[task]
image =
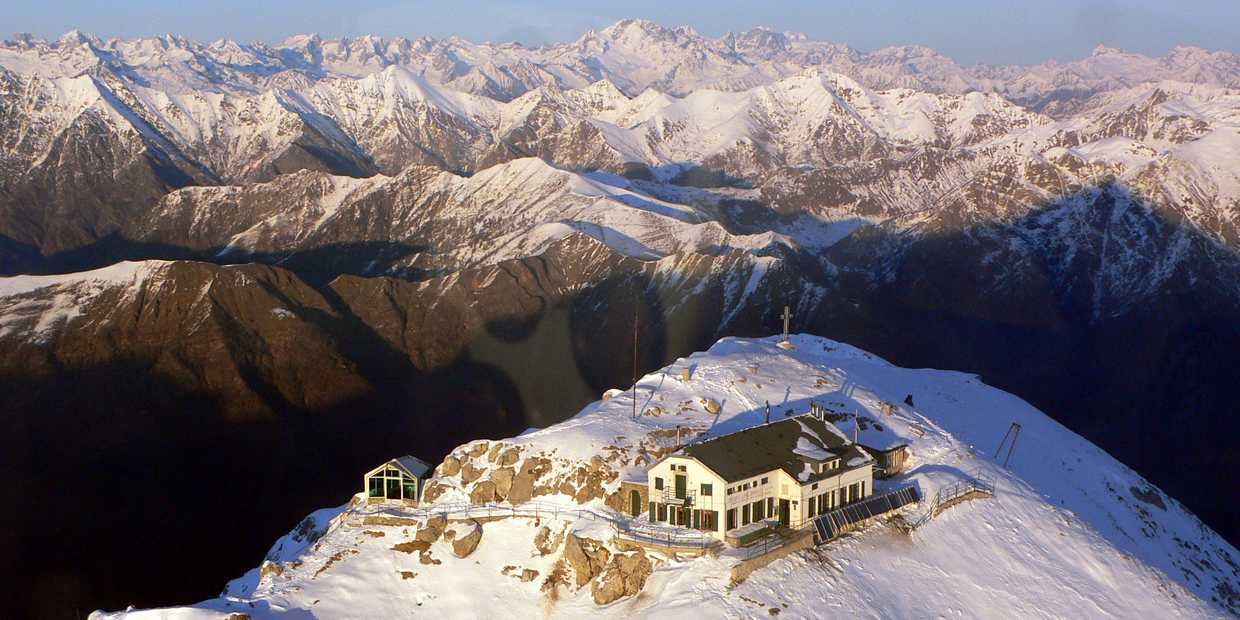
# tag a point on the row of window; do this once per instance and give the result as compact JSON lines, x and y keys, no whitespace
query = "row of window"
{"x":706,"y":489}
{"x":748,"y":485}
{"x":752,"y":513}
{"x":684,"y":517}
{"x":820,"y":504}
{"x":396,"y":487}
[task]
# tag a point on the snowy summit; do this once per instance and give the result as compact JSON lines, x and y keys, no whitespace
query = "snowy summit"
{"x":540,"y":525}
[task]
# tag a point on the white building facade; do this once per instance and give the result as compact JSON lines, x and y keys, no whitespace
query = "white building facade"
{"x":787,"y":472}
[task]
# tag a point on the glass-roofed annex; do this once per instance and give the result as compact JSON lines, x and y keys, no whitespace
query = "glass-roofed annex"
{"x":398,"y":480}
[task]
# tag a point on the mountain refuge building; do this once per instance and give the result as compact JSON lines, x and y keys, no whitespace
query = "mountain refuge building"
{"x":787,"y":471}
{"x":400,"y":481}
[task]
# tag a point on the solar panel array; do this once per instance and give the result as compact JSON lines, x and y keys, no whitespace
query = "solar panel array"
{"x":832,"y":524}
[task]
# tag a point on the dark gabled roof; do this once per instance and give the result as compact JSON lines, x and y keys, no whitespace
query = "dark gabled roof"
{"x":778,"y":445}
{"x":409,"y":465}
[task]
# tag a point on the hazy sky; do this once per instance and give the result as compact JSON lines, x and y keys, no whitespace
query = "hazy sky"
{"x":970,"y":31}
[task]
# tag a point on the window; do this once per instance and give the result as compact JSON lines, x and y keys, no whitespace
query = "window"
{"x":765,"y":479}
{"x":658,"y":483}
{"x":814,"y":486}
{"x":663,"y":512}
{"x":682,"y":468}
{"x":673,"y":467}
{"x":653,"y":512}
{"x":745,"y":487}
{"x":745,"y":514}
{"x":810,"y":507}
{"x":731,"y":516}
{"x":376,"y":487}
{"x":730,"y":490}
{"x":770,"y":507}
{"x":757,"y":511}
{"x":708,"y":489}
{"x":862,"y":490}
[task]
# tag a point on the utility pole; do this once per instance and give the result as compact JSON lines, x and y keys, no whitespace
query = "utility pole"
{"x":636,"y":304}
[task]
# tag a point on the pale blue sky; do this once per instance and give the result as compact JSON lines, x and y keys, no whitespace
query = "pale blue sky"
{"x":970,"y":31}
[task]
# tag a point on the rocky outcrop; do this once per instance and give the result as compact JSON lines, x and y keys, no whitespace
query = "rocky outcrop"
{"x":612,"y":575}
{"x":625,"y":575}
{"x":484,"y":492}
{"x":587,"y":557}
{"x":546,"y":542}
{"x":463,"y":545}
{"x":502,"y":472}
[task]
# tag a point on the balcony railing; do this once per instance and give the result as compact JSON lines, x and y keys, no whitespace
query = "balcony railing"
{"x":669,"y":498}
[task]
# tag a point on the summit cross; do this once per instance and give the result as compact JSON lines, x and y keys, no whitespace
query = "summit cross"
{"x":786,"y":317}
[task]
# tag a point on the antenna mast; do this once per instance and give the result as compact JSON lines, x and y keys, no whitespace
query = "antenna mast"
{"x":636,"y":303}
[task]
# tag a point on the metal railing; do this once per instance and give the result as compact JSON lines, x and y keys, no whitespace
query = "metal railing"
{"x":669,"y":498}
{"x":635,"y":529}
{"x":652,"y":532}
{"x":780,"y":536}
{"x":977,"y":481}
{"x":489,"y":510}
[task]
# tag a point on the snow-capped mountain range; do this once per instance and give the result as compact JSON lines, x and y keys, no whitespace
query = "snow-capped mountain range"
{"x":633,"y":54}
{"x":466,"y":213}
{"x":101,"y":130}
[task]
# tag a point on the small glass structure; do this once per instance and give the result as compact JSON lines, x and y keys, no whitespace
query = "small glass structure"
{"x":399,"y":480}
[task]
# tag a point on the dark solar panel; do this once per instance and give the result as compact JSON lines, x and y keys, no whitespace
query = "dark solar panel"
{"x":830,"y":524}
{"x":825,"y":532}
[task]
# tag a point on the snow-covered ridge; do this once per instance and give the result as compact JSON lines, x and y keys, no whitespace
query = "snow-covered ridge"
{"x":33,"y":306}
{"x":509,"y":211}
{"x":1070,"y":533}
{"x":633,"y":54}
